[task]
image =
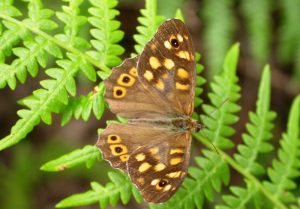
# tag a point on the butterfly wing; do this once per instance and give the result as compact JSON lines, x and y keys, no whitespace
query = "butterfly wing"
{"x":159,"y":169}
{"x":118,"y":141}
{"x":167,"y":66}
{"x":127,"y":97}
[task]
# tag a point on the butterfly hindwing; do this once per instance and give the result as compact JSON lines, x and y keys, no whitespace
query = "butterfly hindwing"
{"x":118,"y":141}
{"x":167,"y":66}
{"x":158,"y":169}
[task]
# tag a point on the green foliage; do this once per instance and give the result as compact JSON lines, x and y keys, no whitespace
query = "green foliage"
{"x":56,"y":90}
{"x":220,"y":113}
{"x":259,"y":129}
{"x":289,"y":47}
{"x":259,"y":27}
{"x":149,"y":24}
{"x":88,"y":155}
{"x":34,"y":42}
{"x":119,"y":188}
{"x":285,"y":169}
{"x":219,"y":25}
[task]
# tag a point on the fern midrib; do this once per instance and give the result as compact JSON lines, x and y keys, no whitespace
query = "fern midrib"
{"x":22,"y":62}
{"x":257,"y":143}
{"x":57,"y":42}
{"x":28,"y":122}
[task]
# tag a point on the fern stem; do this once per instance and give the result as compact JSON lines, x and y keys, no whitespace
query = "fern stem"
{"x":57,"y":42}
{"x":243,"y":172}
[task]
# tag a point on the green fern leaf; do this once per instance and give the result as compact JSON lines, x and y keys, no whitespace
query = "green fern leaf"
{"x":120,"y":187}
{"x":149,"y":24}
{"x":259,"y":27}
{"x":259,"y":130}
{"x":225,"y":92}
{"x":106,"y":32}
{"x":243,"y":198}
{"x":88,"y":155}
{"x":286,"y":168}
{"x":7,"y":8}
{"x":218,"y":32}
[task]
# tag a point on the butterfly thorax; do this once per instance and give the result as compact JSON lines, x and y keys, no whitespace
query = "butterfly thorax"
{"x":181,"y":124}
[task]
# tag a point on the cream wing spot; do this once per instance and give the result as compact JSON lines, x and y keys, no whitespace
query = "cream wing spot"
{"x":141,"y":180}
{"x":154,"y":63}
{"x":167,"y":188}
{"x":180,"y":86}
{"x":144,"y":167}
{"x":133,"y":72}
{"x":183,"y":55}
{"x":173,"y":175}
{"x":153,"y":150}
{"x":182,"y":73}
{"x":176,"y":160}
{"x":179,"y":37}
{"x":169,"y":64}
{"x":148,"y":75}
{"x":176,"y":151}
{"x":167,"y":45}
{"x":155,"y":181}
{"x":159,"y":167}
{"x":160,"y":85}
{"x":140,"y":157}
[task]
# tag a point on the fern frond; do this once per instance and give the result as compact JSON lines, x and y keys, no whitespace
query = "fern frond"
{"x":218,"y":32}
{"x":88,"y":155}
{"x":73,"y":20}
{"x":149,"y":24}
{"x":259,"y":129}
{"x":285,"y":169}
{"x":200,"y":183}
{"x":83,"y":106}
{"x":220,"y":115}
{"x":106,"y":32}
{"x":120,"y":187}
{"x":34,"y":54}
{"x":243,"y":198}
{"x":35,"y":50}
{"x":46,"y":100}
{"x":289,"y":32}
{"x":259,"y":28}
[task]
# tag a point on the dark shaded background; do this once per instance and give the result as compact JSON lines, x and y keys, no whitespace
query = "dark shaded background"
{"x":24,"y":186}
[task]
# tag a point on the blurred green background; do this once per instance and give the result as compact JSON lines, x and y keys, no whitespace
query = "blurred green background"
{"x":268,"y":32}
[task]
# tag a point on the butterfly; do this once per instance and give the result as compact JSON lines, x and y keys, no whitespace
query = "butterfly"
{"x":155,"y":92}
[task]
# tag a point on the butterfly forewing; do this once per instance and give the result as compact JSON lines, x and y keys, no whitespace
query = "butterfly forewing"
{"x":127,"y":97}
{"x":166,"y":66}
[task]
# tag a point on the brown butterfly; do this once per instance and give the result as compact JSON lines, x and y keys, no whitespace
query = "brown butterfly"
{"x":155,"y":91}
